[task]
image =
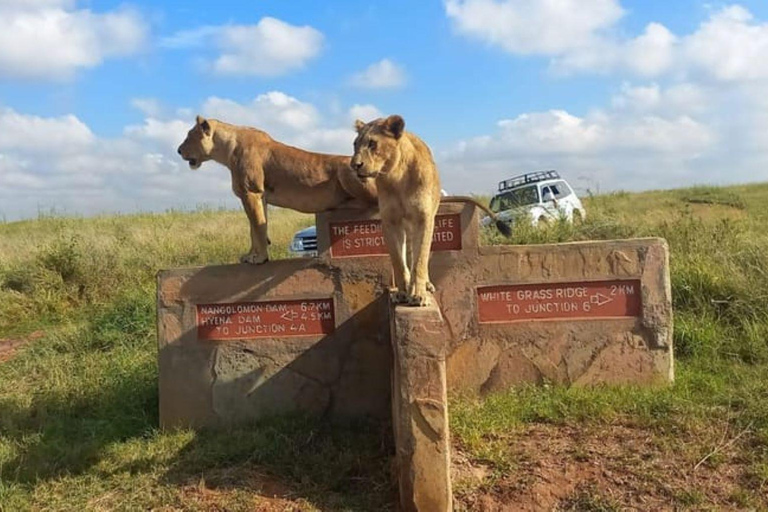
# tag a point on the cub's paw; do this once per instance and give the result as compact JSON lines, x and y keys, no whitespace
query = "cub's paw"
{"x":419,"y":301}
{"x":253,"y":259}
{"x":430,"y":287}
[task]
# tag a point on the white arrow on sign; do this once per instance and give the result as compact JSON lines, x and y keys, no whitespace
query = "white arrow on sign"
{"x":600,"y":300}
{"x":289,"y":316}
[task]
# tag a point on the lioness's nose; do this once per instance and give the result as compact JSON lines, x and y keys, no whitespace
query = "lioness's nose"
{"x":357,"y":165}
{"x":179,"y":150}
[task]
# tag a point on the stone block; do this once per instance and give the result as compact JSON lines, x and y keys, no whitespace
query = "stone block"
{"x":239,"y":342}
{"x":420,"y":408}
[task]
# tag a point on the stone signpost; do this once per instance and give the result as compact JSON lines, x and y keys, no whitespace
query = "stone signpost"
{"x":238,"y":342}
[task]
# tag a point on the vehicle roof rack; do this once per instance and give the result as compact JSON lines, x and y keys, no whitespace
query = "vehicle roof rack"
{"x":524,"y":179}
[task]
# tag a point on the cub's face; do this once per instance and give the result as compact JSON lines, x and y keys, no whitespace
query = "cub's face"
{"x":198,"y":145}
{"x":376,"y":146}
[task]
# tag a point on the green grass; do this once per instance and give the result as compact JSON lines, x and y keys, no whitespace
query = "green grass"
{"x":78,"y":407}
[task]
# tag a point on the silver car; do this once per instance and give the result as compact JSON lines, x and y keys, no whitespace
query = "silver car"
{"x":304,"y":244}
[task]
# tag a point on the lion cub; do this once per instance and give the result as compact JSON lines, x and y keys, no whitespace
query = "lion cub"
{"x":409,"y":196}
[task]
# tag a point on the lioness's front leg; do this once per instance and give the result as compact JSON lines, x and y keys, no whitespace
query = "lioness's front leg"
{"x":421,"y":237}
{"x":257,"y":217}
{"x":394,"y":237}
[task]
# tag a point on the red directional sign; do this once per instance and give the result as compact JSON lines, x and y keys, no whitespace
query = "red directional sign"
{"x":559,"y":301}
{"x":366,"y":238}
{"x":268,"y":319}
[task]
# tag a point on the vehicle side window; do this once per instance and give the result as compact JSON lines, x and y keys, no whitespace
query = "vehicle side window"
{"x":548,"y":193}
{"x":563,"y":190}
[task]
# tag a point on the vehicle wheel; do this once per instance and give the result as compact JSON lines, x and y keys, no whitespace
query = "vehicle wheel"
{"x":543,"y":222}
{"x":578,"y":218}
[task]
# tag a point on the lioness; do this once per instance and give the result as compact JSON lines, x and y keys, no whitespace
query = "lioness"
{"x":409,"y":195}
{"x":265,"y":171}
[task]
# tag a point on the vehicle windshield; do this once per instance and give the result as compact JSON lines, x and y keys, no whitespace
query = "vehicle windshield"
{"x":515,"y":198}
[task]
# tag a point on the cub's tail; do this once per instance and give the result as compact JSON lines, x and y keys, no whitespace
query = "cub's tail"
{"x":502,"y":226}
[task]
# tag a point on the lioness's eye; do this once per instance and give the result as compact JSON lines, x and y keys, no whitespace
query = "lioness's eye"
{"x":372,"y":145}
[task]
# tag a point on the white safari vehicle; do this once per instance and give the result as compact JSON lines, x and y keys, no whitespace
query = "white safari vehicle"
{"x":537,"y":197}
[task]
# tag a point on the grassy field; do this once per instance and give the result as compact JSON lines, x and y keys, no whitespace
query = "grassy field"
{"x":78,"y":398}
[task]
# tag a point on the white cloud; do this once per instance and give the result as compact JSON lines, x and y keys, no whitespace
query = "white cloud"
{"x":581,"y":36}
{"x":32,"y":133}
{"x":290,"y":120}
{"x":269,"y":48}
{"x":48,"y":39}
{"x":57,"y":162}
{"x":192,"y":38}
{"x":648,"y":137}
{"x":549,"y":27}
{"x":384,"y":74}
{"x":274,"y":112}
{"x":364,"y":112}
{"x":729,"y":47}
{"x":34,"y":4}
{"x":150,"y":107}
{"x":168,"y":133}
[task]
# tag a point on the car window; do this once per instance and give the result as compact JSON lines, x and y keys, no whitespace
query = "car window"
{"x":563,"y":190}
{"x":514,"y":198}
{"x":548,"y":193}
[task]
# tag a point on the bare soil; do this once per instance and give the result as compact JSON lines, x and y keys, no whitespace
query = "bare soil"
{"x":9,"y":346}
{"x":611,"y":467}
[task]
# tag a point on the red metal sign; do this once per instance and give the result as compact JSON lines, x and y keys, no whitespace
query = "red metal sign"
{"x":269,"y":319}
{"x":366,"y":238}
{"x":559,"y":301}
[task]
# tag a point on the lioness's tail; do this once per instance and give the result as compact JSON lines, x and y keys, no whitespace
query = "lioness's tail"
{"x":502,"y":226}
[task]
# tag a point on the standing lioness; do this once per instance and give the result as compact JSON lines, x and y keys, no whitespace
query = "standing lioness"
{"x":265,"y":171}
{"x":409,"y":195}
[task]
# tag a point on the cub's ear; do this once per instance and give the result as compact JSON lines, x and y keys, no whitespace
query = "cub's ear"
{"x":359,"y":125}
{"x":395,"y":125}
{"x":204,"y":125}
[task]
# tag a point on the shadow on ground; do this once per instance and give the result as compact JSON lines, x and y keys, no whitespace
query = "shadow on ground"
{"x":331,"y":464}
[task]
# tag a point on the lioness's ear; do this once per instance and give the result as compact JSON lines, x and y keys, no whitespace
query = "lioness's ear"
{"x":359,"y":125}
{"x":395,"y":125}
{"x":204,"y":125}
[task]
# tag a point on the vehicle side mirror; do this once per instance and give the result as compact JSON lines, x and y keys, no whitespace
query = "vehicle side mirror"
{"x":548,"y":197}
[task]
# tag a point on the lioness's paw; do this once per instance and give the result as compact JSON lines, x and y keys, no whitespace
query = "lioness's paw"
{"x":253,"y":259}
{"x":400,"y":298}
{"x":430,"y":287}
{"x":418,"y":301}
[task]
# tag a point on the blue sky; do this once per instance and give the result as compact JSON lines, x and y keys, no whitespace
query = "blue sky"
{"x":617,"y":94}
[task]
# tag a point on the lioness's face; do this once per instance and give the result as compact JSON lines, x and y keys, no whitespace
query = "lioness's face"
{"x":376,"y":146}
{"x":198,"y":145}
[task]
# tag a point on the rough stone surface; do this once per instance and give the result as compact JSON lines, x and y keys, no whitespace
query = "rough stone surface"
{"x":348,"y":372}
{"x":219,"y":382}
{"x":487,"y":357}
{"x":420,"y":408}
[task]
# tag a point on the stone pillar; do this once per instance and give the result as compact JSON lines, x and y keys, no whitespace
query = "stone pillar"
{"x":420,"y":408}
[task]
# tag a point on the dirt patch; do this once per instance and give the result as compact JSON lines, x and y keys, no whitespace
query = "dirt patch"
{"x":9,"y":346}
{"x":227,"y":490}
{"x":610,"y":467}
